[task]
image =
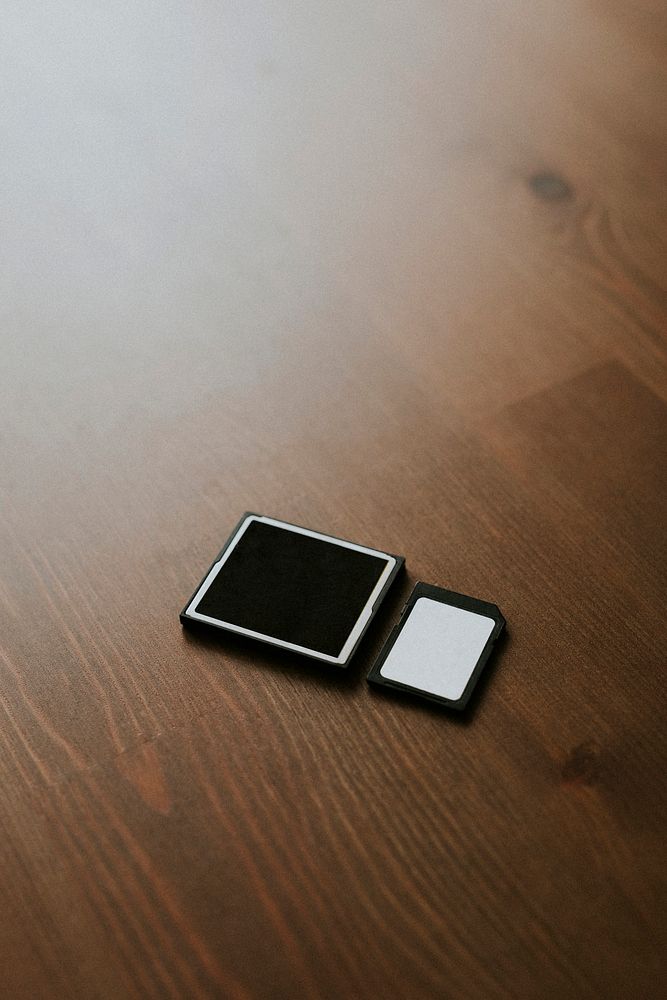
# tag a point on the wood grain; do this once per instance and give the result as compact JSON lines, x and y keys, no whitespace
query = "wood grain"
{"x":396,"y":272}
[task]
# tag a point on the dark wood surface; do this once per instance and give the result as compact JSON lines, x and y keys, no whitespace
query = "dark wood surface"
{"x":397,"y":272}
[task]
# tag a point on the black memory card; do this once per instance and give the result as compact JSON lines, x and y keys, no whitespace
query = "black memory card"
{"x":293,"y":587}
{"x":439,"y":646}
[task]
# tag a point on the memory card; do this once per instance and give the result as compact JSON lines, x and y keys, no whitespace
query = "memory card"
{"x":439,"y":647}
{"x":292,"y":587}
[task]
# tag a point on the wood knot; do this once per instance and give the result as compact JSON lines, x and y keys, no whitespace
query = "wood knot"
{"x":582,"y":764}
{"x":550,"y":187}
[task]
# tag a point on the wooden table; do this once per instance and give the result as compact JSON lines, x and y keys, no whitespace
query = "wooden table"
{"x":395,"y":271}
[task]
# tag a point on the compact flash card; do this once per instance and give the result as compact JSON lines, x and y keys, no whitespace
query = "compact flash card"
{"x":439,"y":646}
{"x":294,"y":588}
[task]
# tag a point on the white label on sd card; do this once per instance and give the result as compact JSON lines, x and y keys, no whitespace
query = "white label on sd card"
{"x":438,"y":648}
